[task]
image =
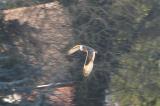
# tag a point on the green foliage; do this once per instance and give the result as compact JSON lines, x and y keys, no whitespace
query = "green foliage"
{"x":138,"y":72}
{"x":126,"y":34}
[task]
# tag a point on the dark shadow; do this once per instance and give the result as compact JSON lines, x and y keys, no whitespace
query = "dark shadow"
{"x":90,"y":91}
{"x":19,"y":53}
{"x":93,"y":25}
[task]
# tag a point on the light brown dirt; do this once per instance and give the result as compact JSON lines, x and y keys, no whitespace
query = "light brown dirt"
{"x":47,"y":31}
{"x":54,"y":33}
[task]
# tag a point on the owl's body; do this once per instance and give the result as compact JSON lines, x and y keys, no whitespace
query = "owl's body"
{"x":89,"y":61}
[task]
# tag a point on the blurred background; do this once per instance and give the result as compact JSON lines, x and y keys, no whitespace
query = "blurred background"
{"x":35,"y":36}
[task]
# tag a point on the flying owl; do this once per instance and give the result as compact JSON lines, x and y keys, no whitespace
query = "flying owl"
{"x":88,"y":65}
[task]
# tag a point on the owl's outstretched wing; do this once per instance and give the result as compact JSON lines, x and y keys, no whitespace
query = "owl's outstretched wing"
{"x":88,"y":65}
{"x":74,"y":49}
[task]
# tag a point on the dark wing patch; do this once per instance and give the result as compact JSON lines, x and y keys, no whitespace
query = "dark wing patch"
{"x":89,"y":57}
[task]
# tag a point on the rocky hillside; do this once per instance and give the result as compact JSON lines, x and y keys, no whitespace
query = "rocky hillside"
{"x":34,"y":44}
{"x":40,"y":35}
